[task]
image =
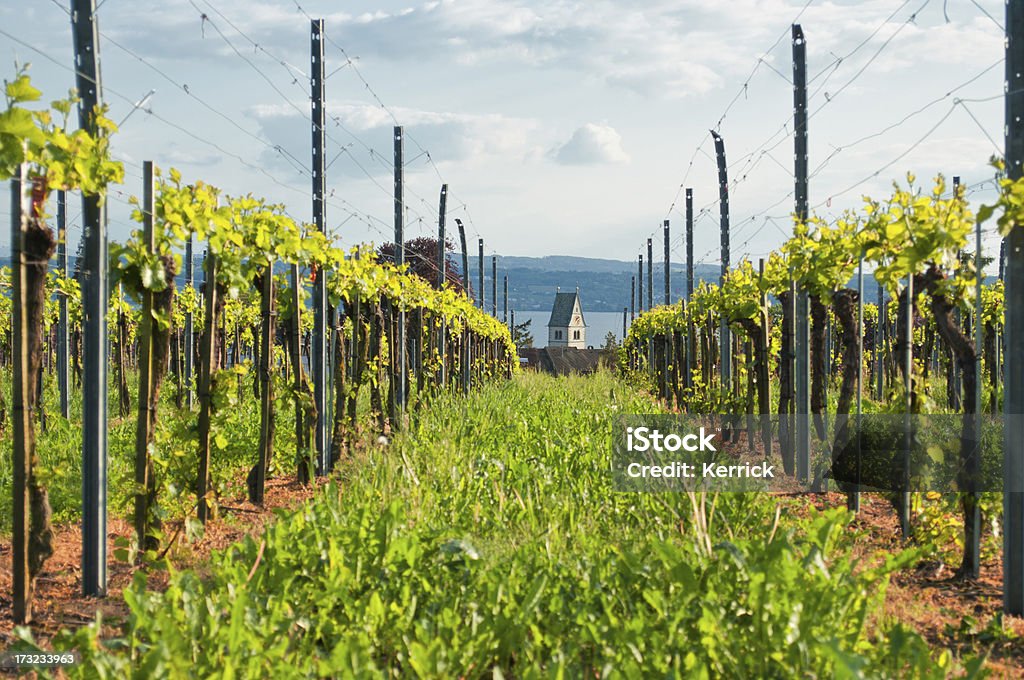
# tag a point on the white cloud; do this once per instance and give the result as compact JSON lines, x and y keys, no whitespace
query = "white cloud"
{"x":449,"y":136}
{"x":496,"y":90}
{"x":178,"y":156}
{"x":660,"y":49}
{"x":592,"y":144}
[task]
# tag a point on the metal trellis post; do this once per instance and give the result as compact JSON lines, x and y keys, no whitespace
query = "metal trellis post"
{"x":399,"y":391}
{"x":21,"y":413}
{"x":85,"y":34}
{"x":802,"y":341}
{"x":1013,"y":498}
{"x":668,"y":272}
{"x":640,"y":284}
{"x":480,"y":267}
{"x":63,"y":336}
{"x":723,"y":207}
{"x":690,"y":344}
{"x":442,"y":275}
{"x":632,"y":298}
{"x":319,"y":344}
{"x":650,"y":274}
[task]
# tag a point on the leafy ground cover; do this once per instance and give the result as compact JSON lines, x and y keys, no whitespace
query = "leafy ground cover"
{"x":488,"y":541}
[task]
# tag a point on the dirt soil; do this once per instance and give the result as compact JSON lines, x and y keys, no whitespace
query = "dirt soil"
{"x":949,"y":614}
{"x":59,"y":602}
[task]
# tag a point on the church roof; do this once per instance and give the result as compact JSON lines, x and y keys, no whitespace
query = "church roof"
{"x":562,"y":360}
{"x":561,"y":311}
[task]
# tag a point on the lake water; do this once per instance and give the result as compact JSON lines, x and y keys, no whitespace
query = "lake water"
{"x":598,"y":325}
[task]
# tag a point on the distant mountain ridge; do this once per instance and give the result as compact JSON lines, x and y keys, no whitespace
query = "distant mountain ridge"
{"x":566,"y":263}
{"x":604,"y":283}
{"x":533,"y":281}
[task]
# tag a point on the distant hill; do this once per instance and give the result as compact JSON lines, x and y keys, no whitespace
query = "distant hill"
{"x":533,"y":281}
{"x":567,"y":263}
{"x":604,"y":284}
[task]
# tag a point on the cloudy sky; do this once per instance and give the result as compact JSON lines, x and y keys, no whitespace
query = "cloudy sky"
{"x":561,"y":127}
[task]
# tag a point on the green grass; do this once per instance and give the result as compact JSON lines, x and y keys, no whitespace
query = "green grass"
{"x":488,"y":542}
{"x":234,"y":441}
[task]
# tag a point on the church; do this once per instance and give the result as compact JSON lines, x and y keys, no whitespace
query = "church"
{"x":567,"y":328}
{"x":566,"y":350}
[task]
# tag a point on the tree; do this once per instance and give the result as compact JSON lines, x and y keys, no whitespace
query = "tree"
{"x":521,"y":334}
{"x":421,"y":258}
{"x":610,"y":351}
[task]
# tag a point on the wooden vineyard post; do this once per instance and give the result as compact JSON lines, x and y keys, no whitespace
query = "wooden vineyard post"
{"x":21,"y":410}
{"x":879,"y":338}
{"x":373,"y":350}
{"x":972,"y":508}
{"x":640,"y":284}
{"x":356,"y":353}
{"x":340,"y":388}
{"x":650,"y":274}
{"x":854,"y":497}
{"x":678,"y":362}
{"x":764,"y":395}
{"x":206,"y":359}
{"x":294,"y":329}
{"x":786,"y":392}
{"x":394,"y":371}
{"x":40,"y":392}
{"x":691,"y":344}
{"x":144,"y":423}
{"x":465,"y":354}
{"x":63,"y":344}
{"x":748,"y":362}
{"x":190,"y":332}
{"x":417,"y":345}
{"x":222,"y":342}
{"x":266,"y":442}
{"x":903,"y":509}
{"x":826,"y":371}
{"x":335,"y":320}
{"x":123,"y":404}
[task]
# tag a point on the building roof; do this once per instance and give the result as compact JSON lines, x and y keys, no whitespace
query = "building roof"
{"x":561,"y":311}
{"x":561,"y":360}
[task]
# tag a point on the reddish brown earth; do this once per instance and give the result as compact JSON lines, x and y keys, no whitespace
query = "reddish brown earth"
{"x":929,"y":600}
{"x":59,"y":602}
{"x":924,"y":598}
